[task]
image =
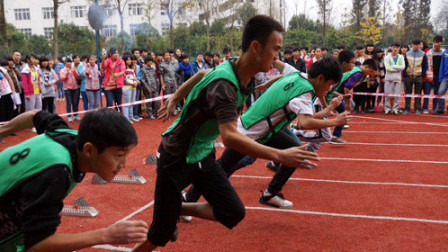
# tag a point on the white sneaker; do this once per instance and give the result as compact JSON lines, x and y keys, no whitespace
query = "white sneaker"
{"x":186,"y":219}
{"x":274,"y":200}
{"x":217,"y":144}
{"x":70,"y":119}
{"x":425,"y":112}
{"x":337,"y":140}
{"x":346,"y":126}
{"x":33,"y":130}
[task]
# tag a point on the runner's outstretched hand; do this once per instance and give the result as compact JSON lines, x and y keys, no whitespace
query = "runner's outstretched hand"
{"x":298,"y":157}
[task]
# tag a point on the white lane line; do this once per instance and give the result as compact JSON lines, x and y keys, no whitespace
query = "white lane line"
{"x":350,"y":215}
{"x":110,"y":247}
{"x":401,"y":121}
{"x":141,"y":209}
{"x":394,"y":132}
{"x":394,"y":144}
{"x":385,"y":160}
{"x":346,"y":182}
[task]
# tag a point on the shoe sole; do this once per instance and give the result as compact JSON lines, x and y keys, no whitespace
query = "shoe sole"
{"x":272,"y":205}
{"x":271,"y":170}
{"x":336,"y":143}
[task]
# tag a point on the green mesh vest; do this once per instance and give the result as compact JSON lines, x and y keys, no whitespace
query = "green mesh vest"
{"x":22,"y":161}
{"x":201,"y":143}
{"x":275,"y":98}
{"x":344,"y":79}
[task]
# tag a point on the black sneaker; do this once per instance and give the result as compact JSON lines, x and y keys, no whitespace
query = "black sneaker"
{"x":406,"y":111}
{"x":437,"y":112}
{"x":271,"y":166}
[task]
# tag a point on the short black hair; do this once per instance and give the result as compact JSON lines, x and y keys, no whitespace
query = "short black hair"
{"x":259,"y":28}
{"x":359,"y":47}
{"x":143,"y":50}
{"x":295,"y":49}
{"x":85,"y":57}
{"x":208,"y":54}
{"x":133,"y":57}
{"x":199,"y":53}
{"x":148,"y":59}
{"x":4,"y":62}
{"x":304,"y":48}
{"x":328,"y":67}
{"x":105,"y":128}
{"x":216,"y":54}
{"x":370,"y":44}
{"x":9,"y":58}
{"x":404,"y":46}
{"x":134,"y":49}
{"x":324,"y":48}
{"x":371,"y":63}
{"x":340,"y":46}
{"x":225,"y":50}
{"x":29,"y":56}
{"x":288,"y":51}
{"x":60,"y":59}
{"x":170,"y":50}
{"x":396,"y":44}
{"x":76,"y":56}
{"x":68,"y":60}
{"x":438,"y":38}
{"x":345,"y":56}
{"x":416,"y":42}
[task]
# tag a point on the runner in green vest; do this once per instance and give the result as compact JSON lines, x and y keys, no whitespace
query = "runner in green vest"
{"x":38,"y":173}
{"x":186,"y":155}
{"x":265,"y":121}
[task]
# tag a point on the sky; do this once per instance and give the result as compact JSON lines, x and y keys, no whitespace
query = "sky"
{"x":309,"y":7}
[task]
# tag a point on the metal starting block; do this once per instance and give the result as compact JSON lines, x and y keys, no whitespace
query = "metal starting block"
{"x":151,"y":159}
{"x":133,"y":177}
{"x":79,"y":208}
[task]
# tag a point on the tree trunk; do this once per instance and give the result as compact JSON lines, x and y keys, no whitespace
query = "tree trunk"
{"x":171,"y":35}
{"x":207,"y":22}
{"x":55,"y":28}
{"x":121,"y":31}
{"x":3,"y":25}
{"x":231,"y":37}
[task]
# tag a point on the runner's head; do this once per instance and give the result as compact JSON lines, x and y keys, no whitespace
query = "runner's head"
{"x":370,"y":68}
{"x":324,"y":73}
{"x":104,"y":139}
{"x":347,"y":60}
{"x":262,"y":39}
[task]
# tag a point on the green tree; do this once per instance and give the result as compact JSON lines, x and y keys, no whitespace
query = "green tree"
{"x":74,"y":39}
{"x":246,"y":12}
{"x":14,"y":39}
{"x":358,"y":14}
{"x":117,"y":42}
{"x":324,"y":10}
{"x":39,"y":45}
{"x":217,"y":27}
{"x":3,"y":33}
{"x":301,"y":21}
{"x":302,"y":37}
{"x":198,"y":28}
{"x":342,"y":35}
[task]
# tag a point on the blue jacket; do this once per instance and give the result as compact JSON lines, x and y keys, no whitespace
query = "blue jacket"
{"x":196,"y":66}
{"x":443,"y":72}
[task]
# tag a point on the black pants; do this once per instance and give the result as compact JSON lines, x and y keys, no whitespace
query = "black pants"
{"x":230,"y":159}
{"x":360,"y":100}
{"x":48,"y":104}
{"x":6,"y":108}
{"x":173,"y":175}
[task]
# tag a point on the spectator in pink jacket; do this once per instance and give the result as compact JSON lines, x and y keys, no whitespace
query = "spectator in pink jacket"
{"x":31,"y":84}
{"x":90,"y":71}
{"x":70,"y":76}
{"x":113,"y":78}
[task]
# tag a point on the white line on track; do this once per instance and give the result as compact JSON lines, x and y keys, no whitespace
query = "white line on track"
{"x":114,"y":248}
{"x":351,"y":215}
{"x":401,"y":121}
{"x":347,"y":182}
{"x":394,"y":132}
{"x":394,"y":144}
{"x":385,"y":160}
{"x":141,"y":209}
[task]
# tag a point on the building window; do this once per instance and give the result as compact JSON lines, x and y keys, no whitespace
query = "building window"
{"x":165,"y":28}
{"x":135,"y":9}
{"x":133,"y":28}
{"x":22,"y":14}
{"x":109,"y":11}
{"x":48,"y":12}
{"x":110,"y":30}
{"x":78,"y":11}
{"x":26,"y":31}
{"x":48,"y":31}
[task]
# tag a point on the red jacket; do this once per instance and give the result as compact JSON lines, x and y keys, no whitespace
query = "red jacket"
{"x":119,"y":67}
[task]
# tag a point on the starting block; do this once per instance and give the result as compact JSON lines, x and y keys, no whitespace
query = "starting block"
{"x":133,"y":177}
{"x":151,"y":159}
{"x":79,"y":208}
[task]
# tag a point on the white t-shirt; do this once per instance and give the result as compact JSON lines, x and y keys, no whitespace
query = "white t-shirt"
{"x":5,"y":88}
{"x":301,"y":104}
